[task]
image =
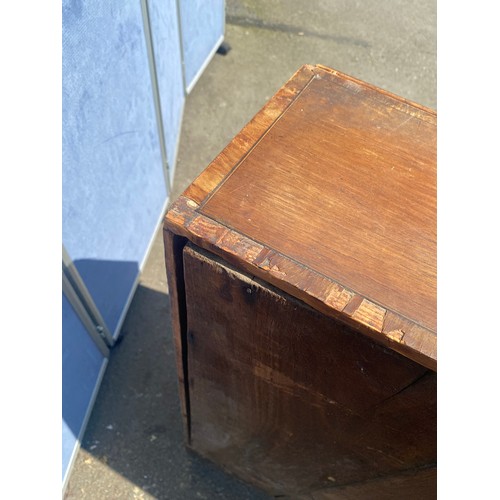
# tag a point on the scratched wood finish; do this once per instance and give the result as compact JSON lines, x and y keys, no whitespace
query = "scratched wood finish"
{"x":290,"y":399}
{"x":173,"y":246}
{"x":328,"y":193}
{"x":248,"y":136}
{"x":306,"y":339}
{"x":419,"y":484}
{"x":345,"y":184}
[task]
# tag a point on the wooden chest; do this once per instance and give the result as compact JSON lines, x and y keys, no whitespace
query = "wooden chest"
{"x":302,"y":276}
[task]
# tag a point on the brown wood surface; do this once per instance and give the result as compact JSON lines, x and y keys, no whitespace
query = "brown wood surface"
{"x":290,"y":399}
{"x":344,"y":182}
{"x":329,"y":194}
{"x":173,"y":246}
{"x":210,"y":178}
{"x":420,"y":484}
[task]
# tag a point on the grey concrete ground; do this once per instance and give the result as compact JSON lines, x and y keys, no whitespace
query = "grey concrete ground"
{"x":133,"y":447}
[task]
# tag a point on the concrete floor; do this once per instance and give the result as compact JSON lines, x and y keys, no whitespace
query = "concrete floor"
{"x":133,"y":447}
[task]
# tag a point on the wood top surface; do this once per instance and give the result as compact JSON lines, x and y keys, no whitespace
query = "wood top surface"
{"x":330,"y":194}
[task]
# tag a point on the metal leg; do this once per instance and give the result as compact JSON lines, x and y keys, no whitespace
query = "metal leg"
{"x":223,"y":49}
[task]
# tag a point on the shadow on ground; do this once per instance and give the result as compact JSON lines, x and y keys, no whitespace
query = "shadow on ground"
{"x":136,"y":428}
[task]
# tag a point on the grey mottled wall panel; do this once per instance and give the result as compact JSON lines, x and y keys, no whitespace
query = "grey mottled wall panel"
{"x":202,"y":27}
{"x":113,"y":183}
{"x":167,"y":51}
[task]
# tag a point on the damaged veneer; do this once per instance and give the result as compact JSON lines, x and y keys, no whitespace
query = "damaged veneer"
{"x":306,"y":332}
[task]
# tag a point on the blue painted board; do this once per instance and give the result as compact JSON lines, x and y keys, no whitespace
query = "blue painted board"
{"x":81,"y":365}
{"x":202,"y":23}
{"x":113,"y":183}
{"x":167,"y":52}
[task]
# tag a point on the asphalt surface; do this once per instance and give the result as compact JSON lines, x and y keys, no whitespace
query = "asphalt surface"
{"x":133,"y":447}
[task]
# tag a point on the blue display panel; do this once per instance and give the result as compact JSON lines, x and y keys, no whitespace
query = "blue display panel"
{"x":202,"y":23}
{"x":113,"y":183}
{"x":82,"y":364}
{"x":167,"y":51}
{"x":114,"y":190}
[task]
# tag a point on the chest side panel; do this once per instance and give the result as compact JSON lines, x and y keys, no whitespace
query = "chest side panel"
{"x":291,"y":400}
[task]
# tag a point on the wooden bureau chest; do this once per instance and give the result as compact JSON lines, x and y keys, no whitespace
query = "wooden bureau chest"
{"x":302,"y":275}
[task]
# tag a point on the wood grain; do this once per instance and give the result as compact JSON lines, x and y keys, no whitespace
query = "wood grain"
{"x":329,"y":194}
{"x":173,"y":246}
{"x":316,"y":290}
{"x":290,"y":399}
{"x":243,"y":142}
{"x":417,"y":484}
{"x":344,"y":182}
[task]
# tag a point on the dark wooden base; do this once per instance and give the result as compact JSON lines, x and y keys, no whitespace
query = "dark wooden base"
{"x":417,"y":484}
{"x":293,"y":401}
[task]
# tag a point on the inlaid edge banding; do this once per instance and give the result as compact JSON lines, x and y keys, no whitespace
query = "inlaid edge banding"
{"x":320,"y":292}
{"x":251,"y":134}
